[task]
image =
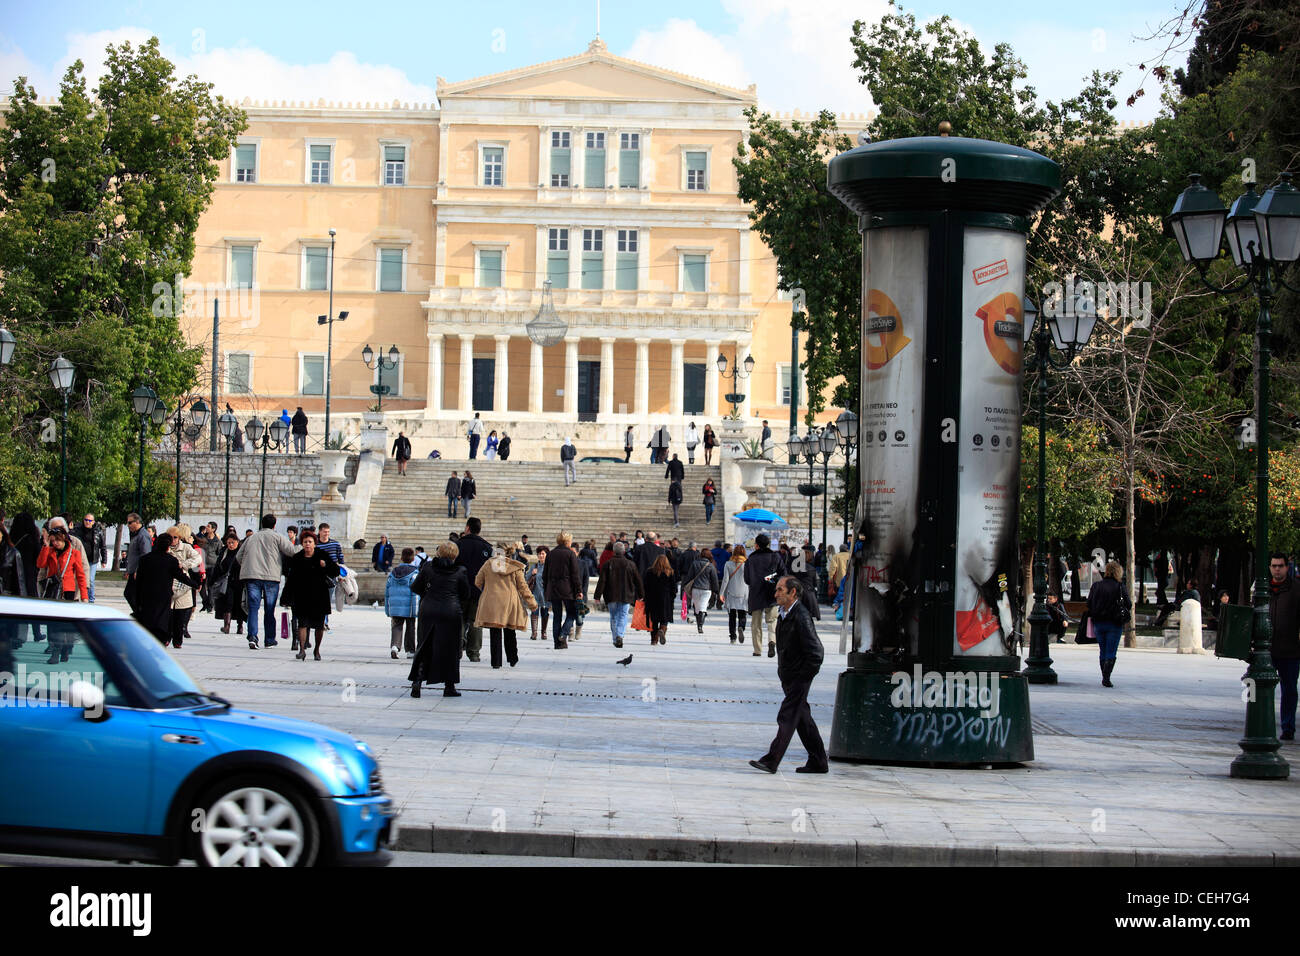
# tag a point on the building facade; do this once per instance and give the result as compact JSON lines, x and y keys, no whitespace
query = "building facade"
{"x":610,"y":179}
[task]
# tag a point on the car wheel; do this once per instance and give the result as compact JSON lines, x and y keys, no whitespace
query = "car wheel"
{"x":254,"y":820}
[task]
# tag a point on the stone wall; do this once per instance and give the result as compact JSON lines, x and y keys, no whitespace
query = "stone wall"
{"x":293,"y":484}
{"x":781,"y":495}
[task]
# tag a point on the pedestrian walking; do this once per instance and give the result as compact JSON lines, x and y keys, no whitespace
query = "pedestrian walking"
{"x":675,"y":470}
{"x":307,"y":591}
{"x":701,"y":584}
{"x":26,"y":538}
{"x":91,"y":536}
{"x":735,"y":595}
{"x":152,"y":589}
{"x":628,"y":438}
{"x":64,"y":567}
{"x":190,"y":560}
{"x":402,"y":605}
{"x":452,"y":491}
{"x":1284,"y":614}
{"x":260,"y":564}
{"x":503,"y":451}
{"x":468,"y":491}
{"x":692,"y":439}
{"x":490,"y":449}
{"x":443,"y":589}
{"x":141,"y":542}
{"x":765,"y":440}
{"x":211,"y":547}
{"x":473,"y":552}
{"x":567,"y":455}
{"x":475,"y":435}
{"x":225,"y":587}
{"x":381,"y":555}
{"x":563,"y":588}
{"x":333,"y":550}
{"x":536,"y":581}
{"x":504,"y":596}
{"x":298,"y":428}
{"x":1109,"y":609}
{"x":659,"y":445}
{"x":762,"y":569}
{"x":619,"y":585}
{"x":13,"y":582}
{"x":288,"y":428}
{"x":402,"y":452}
{"x":710,"y":493}
{"x":710,"y":443}
{"x":799,"y":658}
{"x":675,"y":499}
{"x":660,"y":592}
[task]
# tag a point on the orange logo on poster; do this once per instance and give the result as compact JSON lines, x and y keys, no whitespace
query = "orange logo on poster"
{"x":884,"y":336}
{"x":1003,"y":320}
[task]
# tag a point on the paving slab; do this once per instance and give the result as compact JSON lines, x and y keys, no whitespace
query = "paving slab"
{"x":571,"y":754}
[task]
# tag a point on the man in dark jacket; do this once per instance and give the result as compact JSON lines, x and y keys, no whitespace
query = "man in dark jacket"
{"x":474,"y":551}
{"x":1284,"y":615}
{"x":298,"y":428}
{"x":563,"y":588}
{"x":503,"y":450}
{"x":799,"y":658}
{"x":762,"y":569}
{"x":619,"y":585}
{"x":721,"y":555}
{"x":647,"y":554}
{"x":567,"y":455}
{"x":381,"y":558}
{"x":91,"y":536}
{"x":468,"y":491}
{"x":676,"y":470}
{"x":452,"y":491}
{"x":402,"y":452}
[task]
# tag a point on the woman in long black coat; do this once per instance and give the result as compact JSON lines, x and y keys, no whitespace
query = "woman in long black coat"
{"x":443,"y":589}
{"x":26,"y":537}
{"x":307,"y":591}
{"x":228,"y":605}
{"x":660,"y":592}
{"x":152,"y":592}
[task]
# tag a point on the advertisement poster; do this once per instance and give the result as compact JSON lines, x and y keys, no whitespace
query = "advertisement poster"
{"x":893,"y":366}
{"x":988,"y":481}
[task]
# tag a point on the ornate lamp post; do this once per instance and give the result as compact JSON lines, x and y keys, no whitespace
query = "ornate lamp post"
{"x":827,"y":442}
{"x":62,"y":372}
{"x":228,"y":426}
{"x":804,"y":447}
{"x":737,"y":376}
{"x":1069,"y":328}
{"x":143,"y":402}
{"x":383,"y":365}
{"x":847,"y":426}
{"x":188,"y":421}
{"x":273,"y":437}
{"x":1263,"y":239}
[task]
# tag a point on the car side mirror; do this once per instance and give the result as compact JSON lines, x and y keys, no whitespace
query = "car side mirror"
{"x":89,"y":698}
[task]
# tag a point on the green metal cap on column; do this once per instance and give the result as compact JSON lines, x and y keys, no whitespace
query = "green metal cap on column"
{"x":926,"y":173}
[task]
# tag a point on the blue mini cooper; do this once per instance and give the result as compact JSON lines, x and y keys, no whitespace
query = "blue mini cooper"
{"x":108,"y":749}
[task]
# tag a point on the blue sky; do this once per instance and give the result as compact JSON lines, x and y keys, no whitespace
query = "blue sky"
{"x":797,"y":52}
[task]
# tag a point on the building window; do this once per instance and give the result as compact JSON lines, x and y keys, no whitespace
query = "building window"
{"x":557,"y":258}
{"x":695,"y":272}
{"x":311,"y":373}
{"x":594,"y":160}
{"x":246,"y":163}
{"x":489,"y":268}
{"x":315,"y":267}
{"x":239,"y":373}
{"x":390,"y":270}
{"x":625,"y":270}
{"x":560,"y":162}
{"x":494,"y":163}
{"x":321,"y":157}
{"x":241,"y":267}
{"x":394,"y":165}
{"x":593,"y":258}
{"x":629,"y":160}
{"x":697,"y":171}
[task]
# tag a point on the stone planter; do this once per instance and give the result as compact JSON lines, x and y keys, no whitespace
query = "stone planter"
{"x":373,"y":420}
{"x":752,"y":472}
{"x":333,"y":466}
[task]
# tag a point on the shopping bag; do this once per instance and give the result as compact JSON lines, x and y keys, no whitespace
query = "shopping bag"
{"x":639,"y":622}
{"x":686,"y":600}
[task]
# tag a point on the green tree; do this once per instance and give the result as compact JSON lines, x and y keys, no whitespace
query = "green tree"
{"x":100,"y":197}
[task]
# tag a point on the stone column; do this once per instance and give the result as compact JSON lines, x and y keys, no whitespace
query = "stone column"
{"x":535,"y":379}
{"x":433,"y":384}
{"x":501,"y":375}
{"x":571,"y":378}
{"x":675,"y":373}
{"x":642,"y":407}
{"x":606,"y":377}
{"x":466,"y":398}
{"x":711,"y":378}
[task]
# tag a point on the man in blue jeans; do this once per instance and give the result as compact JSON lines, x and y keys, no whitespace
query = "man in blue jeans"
{"x":1284,"y":615}
{"x":259,"y":560}
{"x":619,"y":585}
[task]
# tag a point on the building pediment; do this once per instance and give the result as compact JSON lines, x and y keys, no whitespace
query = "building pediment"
{"x":595,"y":75}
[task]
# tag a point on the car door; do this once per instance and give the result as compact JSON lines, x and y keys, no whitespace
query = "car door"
{"x":60,"y":769}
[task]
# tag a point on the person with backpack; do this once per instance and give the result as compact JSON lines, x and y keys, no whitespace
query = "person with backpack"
{"x":401,"y":605}
{"x":1110,"y":609}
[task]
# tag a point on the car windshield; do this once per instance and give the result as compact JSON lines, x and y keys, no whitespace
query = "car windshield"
{"x":144,"y":659}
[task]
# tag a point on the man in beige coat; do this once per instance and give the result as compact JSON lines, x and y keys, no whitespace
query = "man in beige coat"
{"x":501,"y":581}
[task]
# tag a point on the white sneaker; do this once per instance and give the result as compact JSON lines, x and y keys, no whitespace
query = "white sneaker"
{"x":393,"y":652}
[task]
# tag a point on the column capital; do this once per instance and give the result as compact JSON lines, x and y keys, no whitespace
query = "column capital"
{"x":713,"y":343}
{"x":607,"y":340}
{"x":502,"y":336}
{"x":434,"y":336}
{"x":677,"y":343}
{"x":572,"y":340}
{"x":642,"y":341}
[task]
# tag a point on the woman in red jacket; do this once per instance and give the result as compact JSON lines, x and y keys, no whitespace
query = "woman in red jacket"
{"x":63,"y":564}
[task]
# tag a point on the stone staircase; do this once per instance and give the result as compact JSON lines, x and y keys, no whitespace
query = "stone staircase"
{"x":527,"y":497}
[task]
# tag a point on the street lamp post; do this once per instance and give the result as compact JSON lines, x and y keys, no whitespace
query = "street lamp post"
{"x":1069,"y":327}
{"x":228,"y":426}
{"x":847,"y":423}
{"x":737,"y":376}
{"x":272,"y":437}
{"x":143,"y":402}
{"x":1263,"y":239}
{"x":186,"y":422}
{"x":827,"y":442}
{"x":382,"y":365}
{"x":801,"y":446}
{"x":62,"y":372}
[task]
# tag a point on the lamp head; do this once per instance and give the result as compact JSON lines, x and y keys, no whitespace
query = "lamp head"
{"x":1197,"y":222}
